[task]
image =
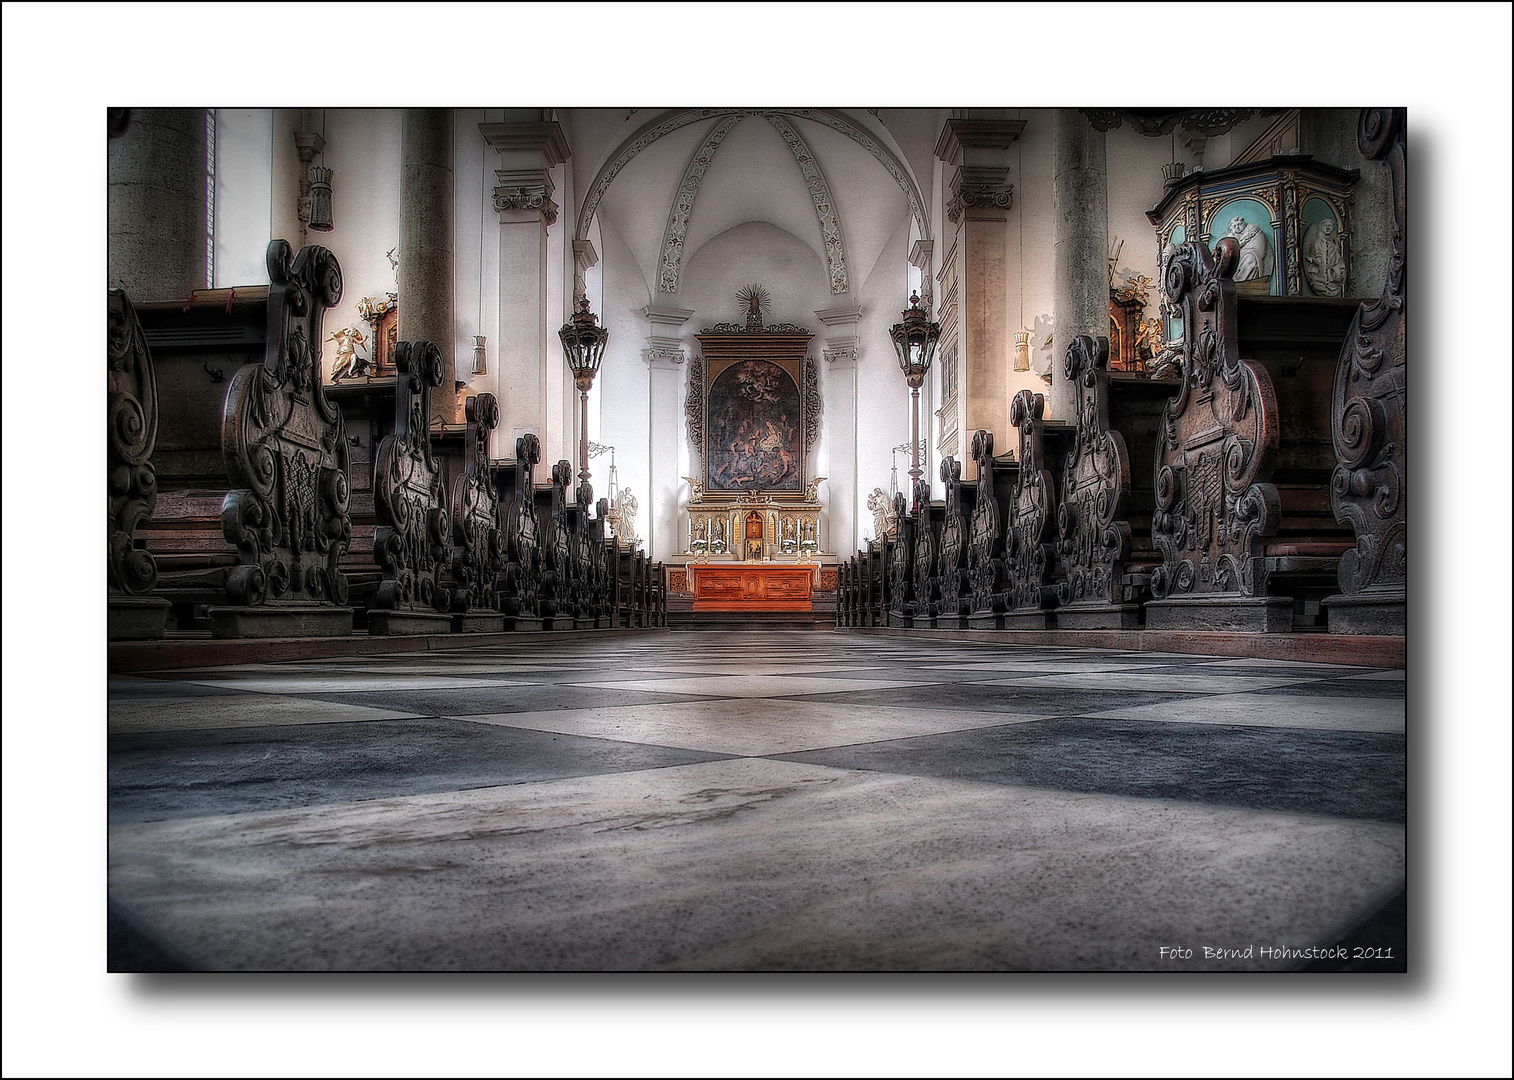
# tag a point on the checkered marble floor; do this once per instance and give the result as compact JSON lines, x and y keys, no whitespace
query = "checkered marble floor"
{"x":738,"y":801}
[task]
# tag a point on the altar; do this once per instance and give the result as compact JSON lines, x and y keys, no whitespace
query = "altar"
{"x":752,"y":587}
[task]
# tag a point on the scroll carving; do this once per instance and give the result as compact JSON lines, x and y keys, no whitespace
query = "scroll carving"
{"x":478,"y":551}
{"x":813,"y":406}
{"x":925,"y":581}
{"x":901,"y":552}
{"x":951,"y":570}
{"x":522,"y":537}
{"x":1370,"y":483}
{"x":1216,"y":443}
{"x":985,"y":546}
{"x":694,"y":404}
{"x":413,"y":533}
{"x":131,"y":434}
{"x":1094,"y":535}
{"x":557,"y":571}
{"x":1028,"y":548}
{"x":286,"y":448}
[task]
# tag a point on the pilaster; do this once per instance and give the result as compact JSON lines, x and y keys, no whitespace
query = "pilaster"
{"x":979,"y":196}
{"x":841,"y":350}
{"x":528,"y":151}
{"x":666,"y":370}
{"x":156,"y":205}
{"x":425,"y":272}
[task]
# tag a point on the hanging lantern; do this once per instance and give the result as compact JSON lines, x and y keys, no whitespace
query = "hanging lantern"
{"x":915,"y":342}
{"x":480,"y":365}
{"x":320,"y":199}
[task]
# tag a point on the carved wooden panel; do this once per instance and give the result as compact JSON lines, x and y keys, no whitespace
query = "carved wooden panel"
{"x":413,"y":534}
{"x":985,"y":546}
{"x":1094,"y":535}
{"x":1370,"y":485}
{"x":557,"y":564}
{"x":925,"y":584}
{"x":286,"y":448}
{"x":901,"y":568}
{"x":1028,"y":550}
{"x":478,"y":539}
{"x":830,"y":578}
{"x":131,"y":432}
{"x":951,"y":568}
{"x":522,"y":592}
{"x":1216,"y":443}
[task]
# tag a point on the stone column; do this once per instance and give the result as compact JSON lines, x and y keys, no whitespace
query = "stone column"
{"x":842,"y":347}
{"x":156,"y":205}
{"x":666,"y":428}
{"x":425,"y":274}
{"x":978,"y":200}
{"x":1080,"y":246}
{"x":528,"y":150}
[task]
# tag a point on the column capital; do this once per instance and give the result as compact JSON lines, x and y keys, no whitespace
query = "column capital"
{"x":842,"y":352}
{"x":921,"y":254}
{"x":980,"y":193}
{"x":663,"y":353}
{"x":584,"y":255}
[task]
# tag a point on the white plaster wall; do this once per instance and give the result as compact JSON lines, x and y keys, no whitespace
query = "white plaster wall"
{"x":622,"y":387}
{"x":363,"y":152}
{"x":243,"y":196}
{"x":1135,"y":186}
{"x":883,"y":404}
{"x":475,"y":260}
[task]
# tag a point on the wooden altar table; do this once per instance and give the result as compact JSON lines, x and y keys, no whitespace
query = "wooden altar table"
{"x":752,"y":587}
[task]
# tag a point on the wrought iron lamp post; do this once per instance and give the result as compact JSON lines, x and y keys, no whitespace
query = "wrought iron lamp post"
{"x":583,"y":346}
{"x":915,"y":342}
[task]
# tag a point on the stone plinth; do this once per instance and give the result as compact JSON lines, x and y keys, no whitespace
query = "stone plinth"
{"x":1251,"y":615}
{"x":136,"y":618}
{"x":280,"y":622}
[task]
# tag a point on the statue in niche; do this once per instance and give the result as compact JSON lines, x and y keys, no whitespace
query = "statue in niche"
{"x":1325,"y":258}
{"x":1256,"y":254}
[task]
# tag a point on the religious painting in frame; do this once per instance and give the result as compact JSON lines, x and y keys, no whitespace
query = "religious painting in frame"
{"x":754,"y":432}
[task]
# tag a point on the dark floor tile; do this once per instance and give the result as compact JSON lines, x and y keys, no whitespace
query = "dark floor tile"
{"x":1348,"y":688}
{"x":1332,"y":773}
{"x":536,"y":697}
{"x":188,"y":774}
{"x":1040,"y":700}
{"x":132,"y":689}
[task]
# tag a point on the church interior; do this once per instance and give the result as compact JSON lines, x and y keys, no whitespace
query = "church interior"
{"x":760,"y":539}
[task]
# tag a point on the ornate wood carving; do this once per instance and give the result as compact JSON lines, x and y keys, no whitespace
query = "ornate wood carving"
{"x":286,"y":448}
{"x":131,"y":432}
{"x":522,"y":595}
{"x":951,"y":568}
{"x":557,"y":565}
{"x":1215,"y":445}
{"x":413,"y":533}
{"x":901,"y":568}
{"x":926,"y":590}
{"x":985,"y":546}
{"x":1028,"y":548}
{"x":763,"y":587}
{"x":478,"y":551}
{"x":1370,"y":484}
{"x":693,"y":406}
{"x":1094,"y":533}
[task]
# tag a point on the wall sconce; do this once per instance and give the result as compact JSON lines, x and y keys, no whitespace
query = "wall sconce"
{"x":320,"y":198}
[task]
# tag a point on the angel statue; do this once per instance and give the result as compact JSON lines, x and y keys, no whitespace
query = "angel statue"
{"x":883,"y":513}
{"x":348,"y":364}
{"x":623,"y":517}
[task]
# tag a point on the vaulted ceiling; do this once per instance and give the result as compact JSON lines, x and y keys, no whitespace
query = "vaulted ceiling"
{"x":670,"y":181}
